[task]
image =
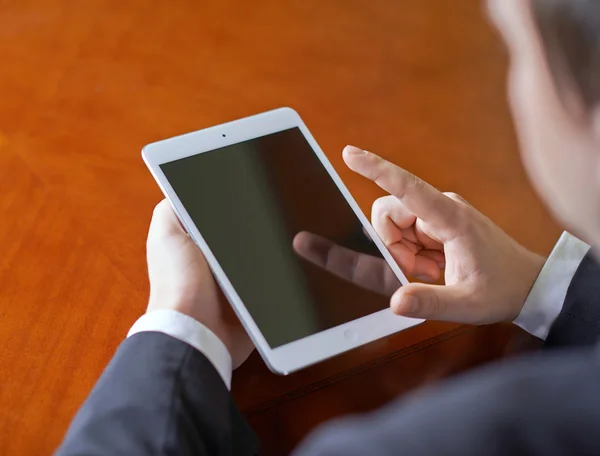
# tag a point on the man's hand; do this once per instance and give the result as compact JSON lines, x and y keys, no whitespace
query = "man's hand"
{"x":488,"y":275}
{"x":180,"y":279}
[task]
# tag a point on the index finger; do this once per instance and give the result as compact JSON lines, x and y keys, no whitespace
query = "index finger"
{"x":420,"y":198}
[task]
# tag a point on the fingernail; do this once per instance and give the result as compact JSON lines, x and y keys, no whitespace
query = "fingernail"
{"x":352,"y":150}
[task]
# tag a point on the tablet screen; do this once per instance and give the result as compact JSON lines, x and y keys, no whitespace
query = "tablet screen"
{"x":284,"y":235}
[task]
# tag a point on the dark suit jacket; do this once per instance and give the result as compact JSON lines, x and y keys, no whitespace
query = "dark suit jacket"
{"x":161,"y":396}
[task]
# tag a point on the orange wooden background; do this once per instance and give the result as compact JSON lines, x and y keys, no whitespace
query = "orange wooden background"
{"x":85,"y":84}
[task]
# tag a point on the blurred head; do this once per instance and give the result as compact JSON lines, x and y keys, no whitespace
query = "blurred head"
{"x":554,"y":92}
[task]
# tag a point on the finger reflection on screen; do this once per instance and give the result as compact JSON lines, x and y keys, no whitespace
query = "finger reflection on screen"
{"x":362,"y":269}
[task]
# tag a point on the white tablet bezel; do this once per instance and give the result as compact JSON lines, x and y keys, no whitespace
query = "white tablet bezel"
{"x":311,"y":349}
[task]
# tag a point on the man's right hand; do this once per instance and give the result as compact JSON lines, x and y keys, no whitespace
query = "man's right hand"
{"x":488,"y":275}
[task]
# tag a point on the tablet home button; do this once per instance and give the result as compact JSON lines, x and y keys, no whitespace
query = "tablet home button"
{"x":351,"y":335}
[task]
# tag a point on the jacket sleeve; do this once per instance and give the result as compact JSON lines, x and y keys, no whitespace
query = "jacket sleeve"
{"x":579,"y":320}
{"x":547,"y":404}
{"x":159,"y":395}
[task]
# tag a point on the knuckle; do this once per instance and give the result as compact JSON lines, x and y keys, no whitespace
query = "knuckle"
{"x":456,"y":197}
{"x":462,"y":215}
{"x":378,"y":206}
{"x":401,"y":180}
{"x":381,"y":208}
{"x":413,"y":181}
{"x":381,"y":174}
{"x":414,"y":185}
{"x":453,"y":195}
{"x":463,"y":222}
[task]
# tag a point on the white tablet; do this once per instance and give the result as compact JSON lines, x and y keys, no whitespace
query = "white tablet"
{"x":299,"y":262}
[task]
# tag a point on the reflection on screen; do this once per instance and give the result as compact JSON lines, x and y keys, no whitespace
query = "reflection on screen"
{"x":283,"y":233}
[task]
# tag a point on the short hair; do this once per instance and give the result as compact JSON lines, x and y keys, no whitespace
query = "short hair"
{"x":570,"y":33}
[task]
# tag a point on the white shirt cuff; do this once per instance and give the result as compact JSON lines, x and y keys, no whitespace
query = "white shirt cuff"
{"x":546,"y":298}
{"x":190,"y":331}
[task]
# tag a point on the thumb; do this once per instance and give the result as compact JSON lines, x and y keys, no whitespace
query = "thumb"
{"x":164,"y":221}
{"x":434,"y":302}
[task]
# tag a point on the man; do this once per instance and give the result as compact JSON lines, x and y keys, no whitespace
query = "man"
{"x":166,"y":390}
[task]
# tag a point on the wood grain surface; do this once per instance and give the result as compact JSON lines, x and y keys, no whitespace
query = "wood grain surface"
{"x":85,"y":84}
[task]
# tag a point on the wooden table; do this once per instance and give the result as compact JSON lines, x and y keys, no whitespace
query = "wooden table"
{"x":85,"y":84}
